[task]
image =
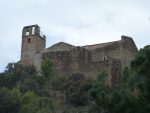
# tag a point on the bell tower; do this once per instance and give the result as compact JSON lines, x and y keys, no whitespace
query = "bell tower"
{"x":33,"y":42}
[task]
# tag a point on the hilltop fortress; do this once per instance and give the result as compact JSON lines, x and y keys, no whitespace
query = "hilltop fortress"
{"x":67,"y":59}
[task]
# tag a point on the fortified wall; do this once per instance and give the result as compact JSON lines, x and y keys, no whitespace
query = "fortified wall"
{"x":79,"y":60}
{"x":67,"y":59}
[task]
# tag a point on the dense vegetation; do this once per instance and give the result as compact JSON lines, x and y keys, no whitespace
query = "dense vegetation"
{"x":23,"y":91}
{"x":132,"y":94}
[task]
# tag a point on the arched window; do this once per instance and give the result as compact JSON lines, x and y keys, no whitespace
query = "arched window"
{"x":105,"y":58}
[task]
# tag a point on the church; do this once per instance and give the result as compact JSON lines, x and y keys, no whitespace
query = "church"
{"x":68,"y":59}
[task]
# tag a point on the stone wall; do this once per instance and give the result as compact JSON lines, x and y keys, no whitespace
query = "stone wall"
{"x":129,"y":50}
{"x":90,"y":60}
{"x":109,"y":51}
{"x":68,"y":59}
{"x":79,"y":60}
{"x":28,"y":50}
{"x":125,"y":50}
{"x":66,"y":62}
{"x":32,"y":43}
{"x":115,"y":71}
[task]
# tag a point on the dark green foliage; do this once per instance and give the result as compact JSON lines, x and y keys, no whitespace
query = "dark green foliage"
{"x":77,"y":90}
{"x":141,"y":70}
{"x":126,"y":74}
{"x":13,"y":101}
{"x":10,"y":100}
{"x":32,"y":103}
{"x":58,"y":83}
{"x":116,"y":99}
{"x":100,"y":84}
{"x":15,"y":73}
{"x":23,"y":91}
{"x":141,"y":75}
{"x":45,"y":105}
{"x":29,"y":85}
{"x":141,"y":64}
{"x":47,"y":68}
{"x":94,"y":108}
{"x":132,"y":94}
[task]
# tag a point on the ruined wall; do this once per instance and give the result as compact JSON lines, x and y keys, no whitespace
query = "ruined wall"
{"x":109,"y":51}
{"x":67,"y":59}
{"x":125,"y":50}
{"x":115,"y":71}
{"x":38,"y":62}
{"x":32,"y":43}
{"x":66,"y":62}
{"x":129,"y":50}
{"x":28,"y":50}
{"x":79,"y":60}
{"x":39,"y":43}
{"x":112,"y":67}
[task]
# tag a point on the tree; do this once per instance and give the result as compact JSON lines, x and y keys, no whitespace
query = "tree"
{"x":29,"y":85}
{"x":32,"y":103}
{"x":15,"y":73}
{"x":141,"y":75}
{"x":29,"y":103}
{"x":132,"y":94}
{"x":117,"y":99}
{"x":58,"y":83}
{"x":10,"y":100}
{"x":47,"y":68}
{"x":77,"y":90}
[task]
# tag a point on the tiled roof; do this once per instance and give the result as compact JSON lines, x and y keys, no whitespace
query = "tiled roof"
{"x":60,"y":46}
{"x":95,"y":46}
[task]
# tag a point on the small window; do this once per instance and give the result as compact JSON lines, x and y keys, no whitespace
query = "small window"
{"x":27,"y":33}
{"x":29,"y":40}
{"x":105,"y":58}
{"x":33,"y":30}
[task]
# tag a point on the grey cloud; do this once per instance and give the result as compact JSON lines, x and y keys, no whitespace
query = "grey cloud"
{"x":77,"y":22}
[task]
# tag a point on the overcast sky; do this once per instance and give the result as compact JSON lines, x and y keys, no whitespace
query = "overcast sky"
{"x":78,"y":22}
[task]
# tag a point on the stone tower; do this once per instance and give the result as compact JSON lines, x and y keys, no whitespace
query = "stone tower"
{"x":33,"y":42}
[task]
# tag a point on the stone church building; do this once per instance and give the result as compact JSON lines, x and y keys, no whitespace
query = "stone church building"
{"x":67,"y":59}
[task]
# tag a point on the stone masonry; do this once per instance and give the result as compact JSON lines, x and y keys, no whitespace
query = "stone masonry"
{"x":67,"y":59}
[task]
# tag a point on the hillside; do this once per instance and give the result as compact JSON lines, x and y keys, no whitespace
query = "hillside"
{"x":22,"y":90}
